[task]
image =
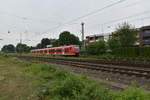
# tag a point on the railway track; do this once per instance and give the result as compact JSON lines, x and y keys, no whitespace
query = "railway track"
{"x":127,"y":70}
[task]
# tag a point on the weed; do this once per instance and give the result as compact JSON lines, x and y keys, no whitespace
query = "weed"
{"x":50,"y":82}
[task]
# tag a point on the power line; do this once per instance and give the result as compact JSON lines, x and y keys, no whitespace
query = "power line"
{"x":129,"y":5}
{"x":97,"y":11}
{"x":101,"y":9}
{"x":143,"y":18}
{"x":91,"y":13}
{"x":25,"y":18}
{"x":133,"y":4}
{"x":127,"y":17}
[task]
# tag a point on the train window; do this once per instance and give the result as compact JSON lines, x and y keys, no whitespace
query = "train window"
{"x":77,"y":48}
{"x":45,"y":51}
{"x":41,"y":51}
{"x":59,"y":50}
{"x":53,"y":50}
{"x":49,"y":51}
{"x":66,"y":50}
{"x":63,"y":49}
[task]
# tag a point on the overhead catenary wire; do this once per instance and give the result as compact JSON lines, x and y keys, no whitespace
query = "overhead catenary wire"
{"x":78,"y":18}
{"x":127,"y":17}
{"x":96,"y":11}
{"x":88,"y":14}
{"x":143,"y":18}
{"x":26,"y":18}
{"x":91,"y":13}
{"x":134,"y":3}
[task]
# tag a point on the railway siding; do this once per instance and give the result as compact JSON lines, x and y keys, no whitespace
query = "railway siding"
{"x":115,"y":73}
{"x":95,"y":65}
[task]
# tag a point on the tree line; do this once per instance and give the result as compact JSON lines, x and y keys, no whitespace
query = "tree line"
{"x":20,"y":48}
{"x":124,"y":36}
{"x":65,"y":38}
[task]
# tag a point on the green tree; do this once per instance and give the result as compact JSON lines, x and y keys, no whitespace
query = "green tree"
{"x":22,"y":48}
{"x":45,"y":42}
{"x":114,"y":43}
{"x":126,"y":34}
{"x":66,"y":38}
{"x":38,"y":46}
{"x":96,"y":48}
{"x":56,"y":43}
{"x":8,"y":48}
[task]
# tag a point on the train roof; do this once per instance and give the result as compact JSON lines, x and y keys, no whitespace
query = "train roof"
{"x":54,"y":47}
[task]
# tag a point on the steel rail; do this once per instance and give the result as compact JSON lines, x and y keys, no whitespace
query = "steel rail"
{"x":139,"y":72}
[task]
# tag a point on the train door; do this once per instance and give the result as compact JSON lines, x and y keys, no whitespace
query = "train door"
{"x":55,"y":51}
{"x":63,"y":51}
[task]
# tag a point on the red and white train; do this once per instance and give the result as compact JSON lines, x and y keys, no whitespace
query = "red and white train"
{"x":71,"y":50}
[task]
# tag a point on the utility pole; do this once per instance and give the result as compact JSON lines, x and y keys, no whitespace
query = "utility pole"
{"x":20,"y":38}
{"x":102,"y":28}
{"x":20,"y":48}
{"x":83,"y":41}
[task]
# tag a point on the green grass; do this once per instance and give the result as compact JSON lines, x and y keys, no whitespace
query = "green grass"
{"x":106,"y":56}
{"x":22,"y":80}
{"x":82,"y":57}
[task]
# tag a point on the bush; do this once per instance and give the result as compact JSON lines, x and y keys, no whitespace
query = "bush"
{"x":133,"y":52}
{"x":126,"y":34}
{"x":145,"y":52}
{"x":54,"y":83}
{"x":96,"y":48}
{"x":81,"y":88}
{"x":129,"y":52}
{"x":68,"y":88}
{"x":78,"y":88}
{"x":133,"y":94}
{"x":83,"y":52}
{"x":114,"y":43}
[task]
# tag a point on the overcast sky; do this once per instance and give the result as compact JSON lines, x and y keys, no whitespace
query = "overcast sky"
{"x":37,"y":19}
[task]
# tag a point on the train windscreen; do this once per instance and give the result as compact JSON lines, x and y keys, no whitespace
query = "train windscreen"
{"x":77,"y":48}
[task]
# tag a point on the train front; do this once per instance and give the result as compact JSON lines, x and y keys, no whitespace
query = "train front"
{"x":76,"y":50}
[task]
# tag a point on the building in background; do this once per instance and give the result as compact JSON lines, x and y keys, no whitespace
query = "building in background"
{"x":145,"y":36}
{"x":94,"y":38}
